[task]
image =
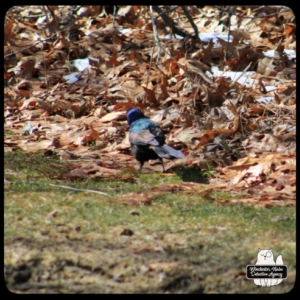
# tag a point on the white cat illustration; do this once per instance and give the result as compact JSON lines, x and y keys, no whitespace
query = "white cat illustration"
{"x":266,"y":257}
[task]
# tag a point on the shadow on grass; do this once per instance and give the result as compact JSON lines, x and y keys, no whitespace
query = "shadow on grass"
{"x":192,"y":174}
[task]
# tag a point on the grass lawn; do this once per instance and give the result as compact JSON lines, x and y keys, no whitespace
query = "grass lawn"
{"x":67,"y":241}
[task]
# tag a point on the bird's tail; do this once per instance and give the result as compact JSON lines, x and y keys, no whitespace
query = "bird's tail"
{"x":166,"y":151}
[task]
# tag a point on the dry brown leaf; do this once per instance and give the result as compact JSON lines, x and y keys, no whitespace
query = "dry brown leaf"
{"x":35,"y":146}
{"x":36,"y":102}
{"x":113,"y":116}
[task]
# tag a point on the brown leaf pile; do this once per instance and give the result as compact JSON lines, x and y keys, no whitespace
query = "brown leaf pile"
{"x":70,"y":73}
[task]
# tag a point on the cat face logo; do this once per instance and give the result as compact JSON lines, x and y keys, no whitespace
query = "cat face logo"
{"x":267,"y":255}
{"x":266,"y":272}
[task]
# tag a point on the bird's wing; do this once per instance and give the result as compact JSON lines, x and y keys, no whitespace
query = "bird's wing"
{"x":142,"y":138}
{"x":158,"y":133}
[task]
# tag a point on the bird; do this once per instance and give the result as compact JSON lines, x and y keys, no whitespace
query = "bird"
{"x":147,"y":139}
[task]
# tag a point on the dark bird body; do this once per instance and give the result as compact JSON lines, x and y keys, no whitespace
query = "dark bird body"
{"x":147,"y":139}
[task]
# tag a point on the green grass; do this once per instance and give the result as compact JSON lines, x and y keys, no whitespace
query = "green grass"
{"x":9,"y":133}
{"x":76,"y":241}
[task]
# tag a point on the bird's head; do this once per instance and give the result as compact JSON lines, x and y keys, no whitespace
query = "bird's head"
{"x":134,"y":114}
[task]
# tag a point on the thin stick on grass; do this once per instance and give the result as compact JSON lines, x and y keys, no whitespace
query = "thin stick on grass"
{"x":76,"y":189}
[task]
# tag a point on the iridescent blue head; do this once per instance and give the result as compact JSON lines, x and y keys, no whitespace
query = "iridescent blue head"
{"x":134,"y":114}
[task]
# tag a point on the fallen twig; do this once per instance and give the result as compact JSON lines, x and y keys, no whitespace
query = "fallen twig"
{"x":190,"y":19}
{"x":76,"y":189}
{"x":169,"y":22}
{"x":11,"y":54}
{"x":155,"y":35}
{"x":245,"y":70}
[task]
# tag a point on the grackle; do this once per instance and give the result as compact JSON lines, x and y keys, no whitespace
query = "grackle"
{"x":147,"y":139}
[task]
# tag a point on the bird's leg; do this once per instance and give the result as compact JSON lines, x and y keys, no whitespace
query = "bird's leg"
{"x":141,"y":165}
{"x":163,"y":167}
